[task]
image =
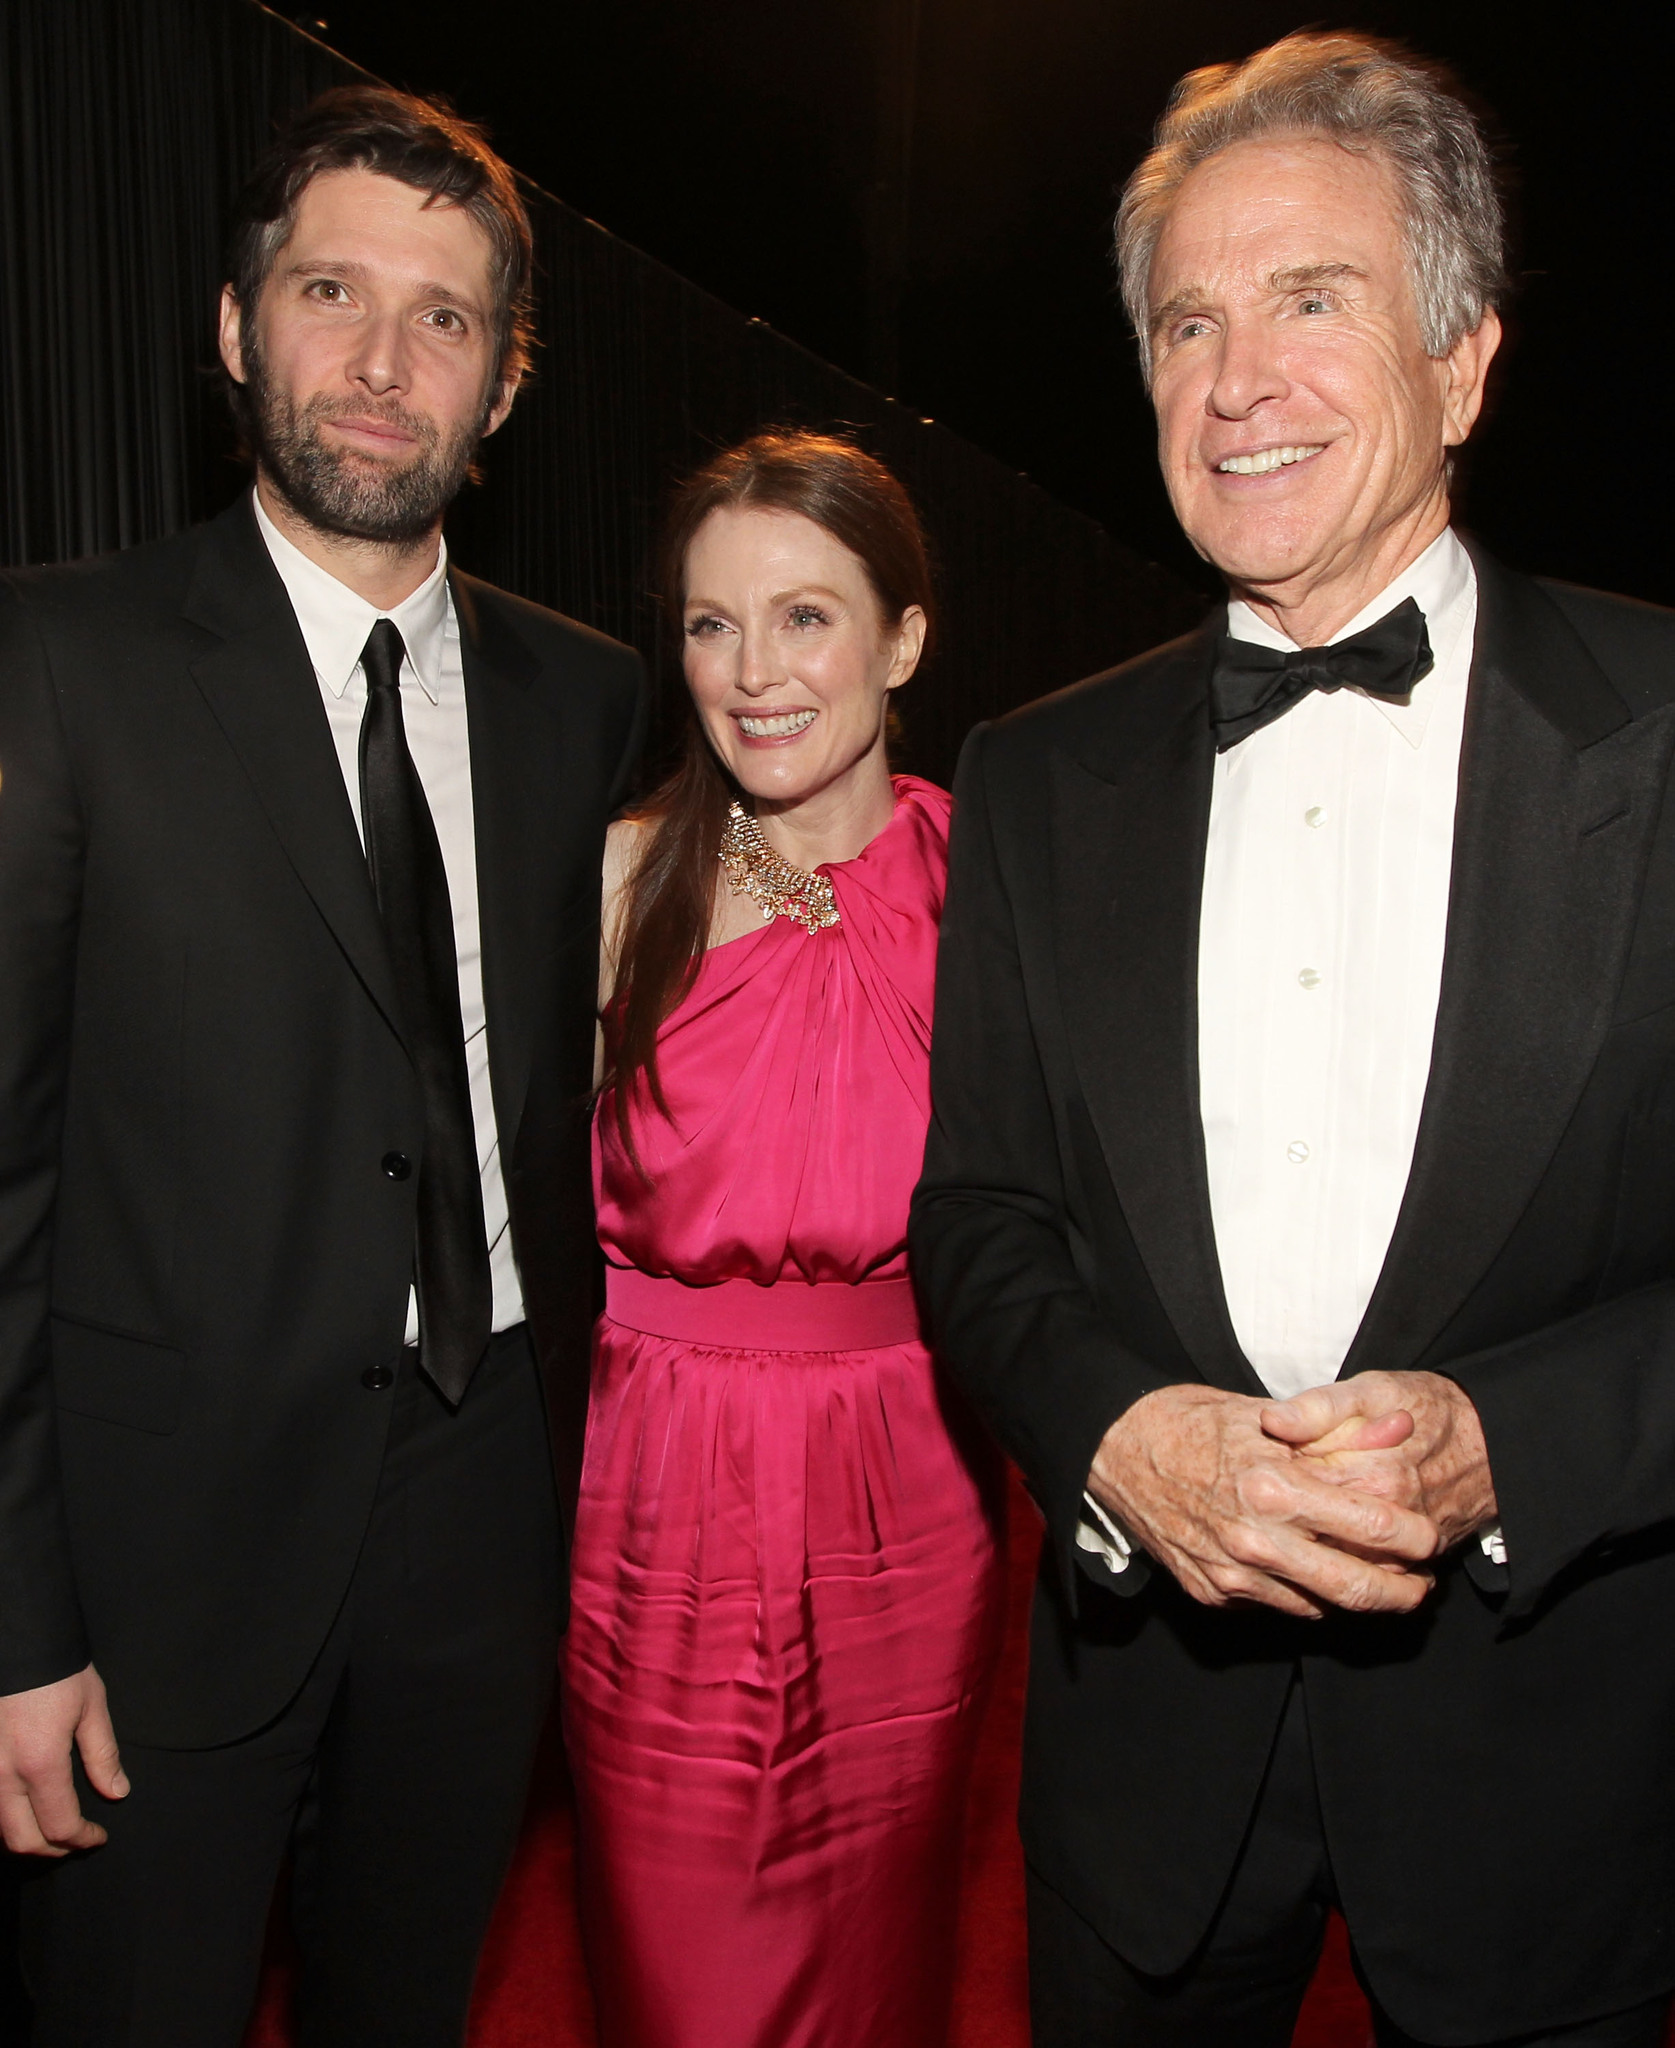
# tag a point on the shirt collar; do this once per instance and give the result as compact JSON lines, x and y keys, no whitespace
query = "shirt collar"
{"x":335,"y":621}
{"x":1443,"y":583}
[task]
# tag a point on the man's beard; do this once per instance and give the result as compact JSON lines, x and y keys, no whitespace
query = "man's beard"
{"x":342,"y":492}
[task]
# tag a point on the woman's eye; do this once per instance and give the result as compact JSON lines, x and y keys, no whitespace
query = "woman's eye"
{"x":806,"y":615}
{"x":704,"y":628}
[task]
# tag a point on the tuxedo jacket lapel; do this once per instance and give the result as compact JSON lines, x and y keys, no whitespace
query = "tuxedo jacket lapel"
{"x":516,"y":782}
{"x":1130,"y":821}
{"x":260,"y":685}
{"x":1559,"y":792}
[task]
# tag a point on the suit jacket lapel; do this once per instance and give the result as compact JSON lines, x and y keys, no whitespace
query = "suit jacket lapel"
{"x":260,"y":685}
{"x":515,"y":778}
{"x":1130,"y":821}
{"x":1559,"y":792}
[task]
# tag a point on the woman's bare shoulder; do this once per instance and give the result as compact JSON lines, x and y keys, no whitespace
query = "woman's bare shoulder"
{"x":626,"y":840}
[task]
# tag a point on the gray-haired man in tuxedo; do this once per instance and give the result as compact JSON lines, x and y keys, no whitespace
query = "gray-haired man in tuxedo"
{"x":1298,"y":1205}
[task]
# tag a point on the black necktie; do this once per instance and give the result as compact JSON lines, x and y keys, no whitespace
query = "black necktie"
{"x":1251,"y":686}
{"x":451,"y":1258}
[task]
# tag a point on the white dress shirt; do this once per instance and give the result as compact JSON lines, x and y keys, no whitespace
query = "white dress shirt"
{"x":335,"y":623}
{"x":1321,"y":932}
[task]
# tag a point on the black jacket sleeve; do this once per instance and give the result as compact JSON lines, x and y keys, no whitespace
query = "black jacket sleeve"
{"x":41,"y":840}
{"x":1579,"y":1421}
{"x":993,"y":1240}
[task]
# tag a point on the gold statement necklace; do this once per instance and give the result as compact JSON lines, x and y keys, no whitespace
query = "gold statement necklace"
{"x":753,"y":869}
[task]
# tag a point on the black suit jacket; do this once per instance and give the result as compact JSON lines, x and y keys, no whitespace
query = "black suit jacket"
{"x":202,"y":1069}
{"x":1498,"y":1771}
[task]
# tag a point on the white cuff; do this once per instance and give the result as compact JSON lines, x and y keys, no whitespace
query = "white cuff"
{"x":1494,"y":1543}
{"x":1104,"y":1541}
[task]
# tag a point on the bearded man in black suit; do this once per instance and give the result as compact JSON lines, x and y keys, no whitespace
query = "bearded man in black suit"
{"x":300,"y":843}
{"x":1299,"y":1206}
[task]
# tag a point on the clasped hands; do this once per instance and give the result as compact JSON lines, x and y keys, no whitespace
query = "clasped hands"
{"x":1340,"y":1497}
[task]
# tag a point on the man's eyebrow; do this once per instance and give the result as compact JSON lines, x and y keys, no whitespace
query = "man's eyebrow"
{"x":358,"y":273}
{"x":1306,"y":274}
{"x":330,"y":266}
{"x":1170,"y":311}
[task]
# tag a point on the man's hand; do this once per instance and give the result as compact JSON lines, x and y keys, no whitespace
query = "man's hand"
{"x":39,"y":1812}
{"x":1440,"y":1467}
{"x":1237,"y":1515}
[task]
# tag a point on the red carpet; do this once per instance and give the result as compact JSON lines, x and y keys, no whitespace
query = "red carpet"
{"x":532,"y":1992}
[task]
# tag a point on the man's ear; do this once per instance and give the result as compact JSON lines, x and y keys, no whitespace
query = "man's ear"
{"x":232,"y":335}
{"x":1467,"y":370}
{"x":503,"y":402}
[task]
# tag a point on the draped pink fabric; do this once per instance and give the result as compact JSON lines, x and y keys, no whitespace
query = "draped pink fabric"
{"x":786,"y":1578}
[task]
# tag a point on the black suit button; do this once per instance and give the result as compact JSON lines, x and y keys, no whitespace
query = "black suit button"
{"x":377,"y":1377}
{"x":396,"y":1165}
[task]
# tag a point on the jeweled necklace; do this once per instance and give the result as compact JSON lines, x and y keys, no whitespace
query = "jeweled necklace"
{"x":753,"y":869}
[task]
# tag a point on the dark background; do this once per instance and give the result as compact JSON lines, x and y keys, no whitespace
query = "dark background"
{"x":920,"y":191}
{"x":124,"y":132}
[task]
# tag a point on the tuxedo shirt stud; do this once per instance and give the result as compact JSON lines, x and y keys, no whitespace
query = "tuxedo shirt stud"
{"x":1322,"y":925}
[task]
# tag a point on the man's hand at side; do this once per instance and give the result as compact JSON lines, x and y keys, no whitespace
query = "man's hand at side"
{"x":39,"y":1812}
{"x":1440,"y":1469}
{"x":1237,"y":1515}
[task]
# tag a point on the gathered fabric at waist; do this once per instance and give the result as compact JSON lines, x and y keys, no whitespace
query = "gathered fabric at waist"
{"x":742,"y":1315}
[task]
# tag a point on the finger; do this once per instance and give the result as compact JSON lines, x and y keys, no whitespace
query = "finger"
{"x":1357,"y":1584}
{"x":58,"y":1812}
{"x":1387,"y":1475}
{"x":1362,"y":1433}
{"x":1311,"y":1414}
{"x":1278,"y":1595}
{"x":1342,"y":1515}
{"x":96,"y":1739}
{"x":1226,"y":1584}
{"x":19,"y":1829}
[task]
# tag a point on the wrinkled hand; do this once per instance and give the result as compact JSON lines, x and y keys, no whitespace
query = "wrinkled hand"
{"x":1237,"y":1515}
{"x":1438,"y":1467}
{"x":40,"y":1814}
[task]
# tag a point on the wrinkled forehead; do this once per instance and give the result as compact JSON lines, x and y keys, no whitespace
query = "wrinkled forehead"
{"x":1277,"y":209}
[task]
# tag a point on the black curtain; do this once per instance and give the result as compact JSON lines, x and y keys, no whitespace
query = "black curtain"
{"x":124,"y":131}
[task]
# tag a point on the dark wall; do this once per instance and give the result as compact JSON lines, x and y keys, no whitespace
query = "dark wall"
{"x":749,"y":144}
{"x":123,"y":133}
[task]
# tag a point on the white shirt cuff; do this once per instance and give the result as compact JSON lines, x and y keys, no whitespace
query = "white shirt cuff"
{"x":1494,"y":1543}
{"x":1101,"y":1537}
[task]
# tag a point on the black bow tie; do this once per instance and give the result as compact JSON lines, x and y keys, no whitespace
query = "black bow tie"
{"x":1251,"y":686}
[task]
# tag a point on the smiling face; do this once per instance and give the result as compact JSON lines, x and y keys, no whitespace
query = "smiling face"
{"x":1302,"y":428}
{"x":370,"y":360}
{"x":788,"y":657}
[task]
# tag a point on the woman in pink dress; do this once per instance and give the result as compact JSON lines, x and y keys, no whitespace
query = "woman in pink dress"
{"x":786,"y":1570}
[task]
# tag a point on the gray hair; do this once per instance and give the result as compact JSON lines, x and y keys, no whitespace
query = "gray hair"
{"x":1366,"y":95}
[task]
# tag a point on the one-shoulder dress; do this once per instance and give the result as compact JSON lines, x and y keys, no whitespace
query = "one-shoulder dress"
{"x":786,"y":1579}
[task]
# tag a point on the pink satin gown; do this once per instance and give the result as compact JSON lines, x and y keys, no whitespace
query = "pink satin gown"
{"x":787,"y":1573}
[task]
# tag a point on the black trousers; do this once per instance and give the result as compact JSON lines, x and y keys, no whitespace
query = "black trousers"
{"x":396,"y":1777}
{"x":1246,"y":1985}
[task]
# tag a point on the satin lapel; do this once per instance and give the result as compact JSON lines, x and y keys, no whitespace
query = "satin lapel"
{"x":261,"y":687}
{"x":516,"y":779}
{"x":1130,"y":820}
{"x":1559,"y":792}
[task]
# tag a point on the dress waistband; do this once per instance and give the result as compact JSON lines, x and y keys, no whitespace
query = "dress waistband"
{"x":741,"y":1315}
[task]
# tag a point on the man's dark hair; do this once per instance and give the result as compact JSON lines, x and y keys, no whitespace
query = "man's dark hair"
{"x":419,"y":143}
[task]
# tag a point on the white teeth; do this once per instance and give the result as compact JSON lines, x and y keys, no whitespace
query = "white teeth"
{"x":777,"y":728}
{"x":1265,"y":460}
